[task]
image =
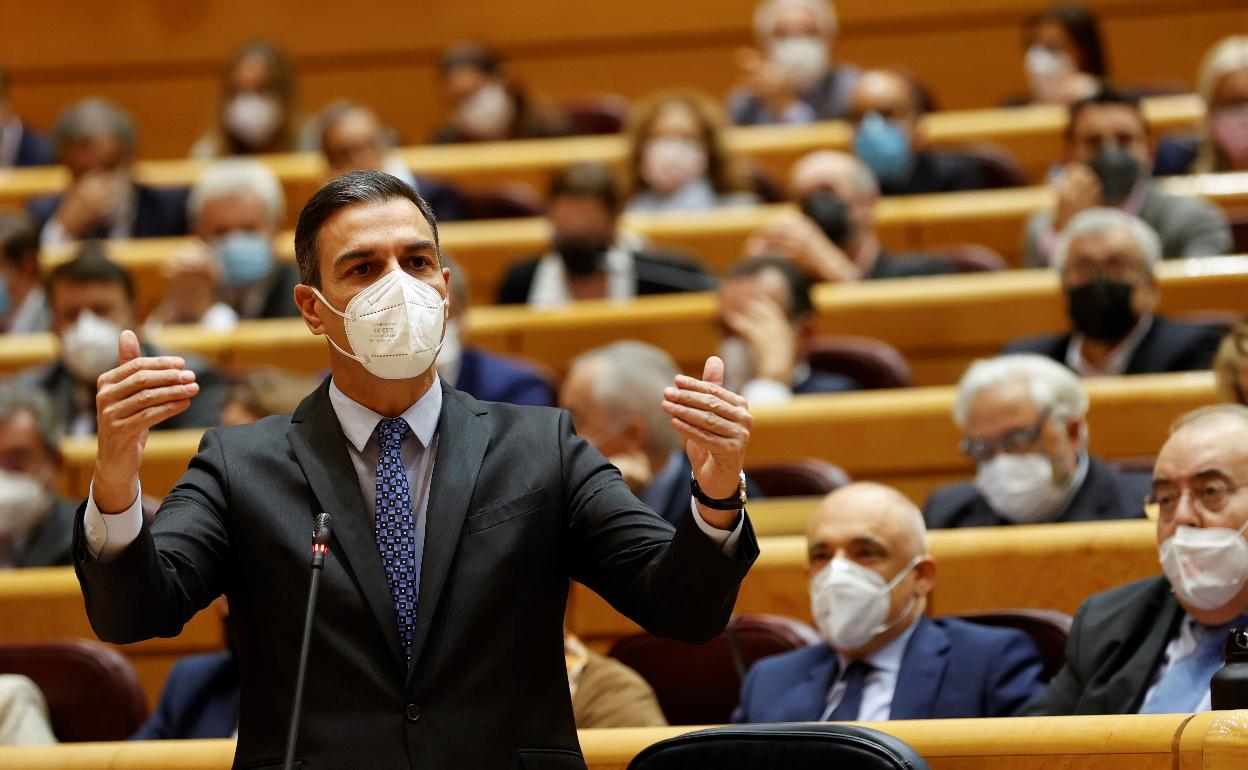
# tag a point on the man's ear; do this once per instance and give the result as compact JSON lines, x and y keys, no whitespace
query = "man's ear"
{"x":925,"y":576}
{"x":305,"y":300}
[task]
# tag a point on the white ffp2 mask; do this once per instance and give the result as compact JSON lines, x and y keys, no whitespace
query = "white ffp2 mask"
{"x":1020,"y":487}
{"x":1206,"y":566}
{"x":394,"y":326}
{"x":850,"y":602}
{"x":23,"y":502}
{"x":90,"y":347}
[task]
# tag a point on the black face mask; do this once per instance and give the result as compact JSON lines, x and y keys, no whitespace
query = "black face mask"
{"x":831,"y":214}
{"x":1102,"y":309}
{"x":1118,"y":171}
{"x":581,"y":256}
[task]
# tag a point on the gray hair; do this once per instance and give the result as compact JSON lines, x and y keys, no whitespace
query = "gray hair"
{"x":765,"y":16}
{"x":1103,"y":220}
{"x":233,"y":176}
{"x":15,"y":399}
{"x":94,"y":118}
{"x":1051,"y":385}
{"x":631,"y":383}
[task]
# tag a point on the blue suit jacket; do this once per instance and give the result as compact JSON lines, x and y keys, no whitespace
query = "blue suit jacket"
{"x":950,"y":669}
{"x":32,"y":150}
{"x":200,"y":700}
{"x":489,"y":377}
{"x":158,"y":212}
{"x":678,"y":493}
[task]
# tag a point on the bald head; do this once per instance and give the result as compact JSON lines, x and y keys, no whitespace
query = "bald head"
{"x":843,"y":175}
{"x":890,"y":95}
{"x":866,"y":515}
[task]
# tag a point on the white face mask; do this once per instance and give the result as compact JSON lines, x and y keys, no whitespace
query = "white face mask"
{"x":1020,"y":487}
{"x":803,"y":59}
{"x":739,"y":363}
{"x":253,"y":118}
{"x":89,"y":347}
{"x":850,"y":603}
{"x":1047,"y":70}
{"x":451,"y":353}
{"x":670,"y":163}
{"x":23,"y":502}
{"x":488,"y":112}
{"x":1206,"y":566}
{"x":393,"y":326}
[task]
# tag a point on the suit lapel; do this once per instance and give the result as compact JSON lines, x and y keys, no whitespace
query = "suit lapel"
{"x":922,"y":670}
{"x":462,"y":439}
{"x":1128,"y":686}
{"x":321,"y":449}
{"x":810,"y":698}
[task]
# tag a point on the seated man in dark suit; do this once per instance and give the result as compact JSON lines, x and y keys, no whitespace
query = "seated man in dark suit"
{"x":92,"y":300}
{"x":95,"y":140}
{"x":589,"y":257}
{"x":1024,"y":425}
{"x":767,"y":317}
{"x":1153,"y":645}
{"x":36,"y":523}
{"x":485,"y":376}
{"x":881,"y":657}
{"x":19,"y":145}
{"x":23,"y":304}
{"x":1105,"y":258}
{"x":885,"y":108}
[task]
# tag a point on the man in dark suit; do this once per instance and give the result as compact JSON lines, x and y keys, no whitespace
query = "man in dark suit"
{"x":589,"y":258}
{"x":1153,"y":645}
{"x":36,"y":524}
{"x":881,"y":657}
{"x":95,"y":140}
{"x":91,"y":300}
{"x":1024,"y":425}
{"x":1106,"y":258}
{"x":19,"y":145}
{"x":456,"y":523}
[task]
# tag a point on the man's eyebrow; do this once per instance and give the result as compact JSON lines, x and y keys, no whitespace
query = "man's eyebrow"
{"x":347,"y":256}
{"x":871,"y":541}
{"x":420,"y":245}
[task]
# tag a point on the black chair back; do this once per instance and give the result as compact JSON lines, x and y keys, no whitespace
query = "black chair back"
{"x":826,"y":746}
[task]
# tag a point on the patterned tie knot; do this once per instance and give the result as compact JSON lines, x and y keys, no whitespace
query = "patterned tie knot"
{"x":390,"y":433}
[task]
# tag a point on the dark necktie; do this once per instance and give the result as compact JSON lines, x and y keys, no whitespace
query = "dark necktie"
{"x":396,"y":527}
{"x":851,"y":701}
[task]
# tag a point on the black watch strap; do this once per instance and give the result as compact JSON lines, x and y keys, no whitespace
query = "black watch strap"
{"x":731,"y":503}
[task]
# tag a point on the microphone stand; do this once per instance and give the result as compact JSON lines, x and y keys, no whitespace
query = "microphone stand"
{"x":320,"y":547}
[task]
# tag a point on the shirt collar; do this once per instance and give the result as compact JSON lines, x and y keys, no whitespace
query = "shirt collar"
{"x":359,"y":422}
{"x":1119,"y":357}
{"x":887,"y":658}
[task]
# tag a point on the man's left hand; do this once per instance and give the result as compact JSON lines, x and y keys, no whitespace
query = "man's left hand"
{"x":717,"y":424}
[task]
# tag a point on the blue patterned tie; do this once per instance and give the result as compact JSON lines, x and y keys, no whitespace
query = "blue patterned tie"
{"x":396,"y":527}
{"x":1186,"y":683}
{"x":851,"y":701}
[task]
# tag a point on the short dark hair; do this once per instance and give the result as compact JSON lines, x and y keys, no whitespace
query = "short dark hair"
{"x":349,"y":189}
{"x":1081,"y":24}
{"x":90,"y":265}
{"x":1106,"y":94}
{"x":586,"y":180}
{"x":800,"y":303}
{"x":19,"y":239}
{"x":473,"y":55}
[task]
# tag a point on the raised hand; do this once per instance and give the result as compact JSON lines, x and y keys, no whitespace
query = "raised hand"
{"x":130,"y":399}
{"x":717,"y":424}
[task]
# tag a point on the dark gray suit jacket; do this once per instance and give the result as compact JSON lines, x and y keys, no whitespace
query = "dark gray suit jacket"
{"x":518,"y":505}
{"x":48,"y":544}
{"x":1169,"y":346}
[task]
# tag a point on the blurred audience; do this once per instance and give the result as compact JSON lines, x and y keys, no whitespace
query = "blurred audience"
{"x":1109,"y":163}
{"x":354,"y":138}
{"x":793,"y":78}
{"x":1106,"y":258}
{"x":488,"y":104}
{"x":36,"y":524}
{"x":1024,"y":425}
{"x":24,"y":719}
{"x":23,"y":305}
{"x":231,"y":272}
{"x":481,"y":374}
{"x":258,"y":109}
{"x":19,"y":144}
{"x":92,"y":301}
{"x":1230,"y":367}
{"x":1223,"y":142}
{"x":886,"y":108}
{"x":605,"y":692}
{"x":881,"y":657}
{"x":767,"y":319}
{"x":1063,"y":56}
{"x":95,"y":140}
{"x":833,"y":239}
{"x":1152,"y":646}
{"x":590,"y":258}
{"x":263,"y":393}
{"x":677,"y":160}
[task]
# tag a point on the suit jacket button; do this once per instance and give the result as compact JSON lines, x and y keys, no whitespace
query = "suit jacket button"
{"x":413,"y":712}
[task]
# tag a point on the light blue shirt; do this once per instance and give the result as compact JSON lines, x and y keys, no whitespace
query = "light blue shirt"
{"x":880,"y":683}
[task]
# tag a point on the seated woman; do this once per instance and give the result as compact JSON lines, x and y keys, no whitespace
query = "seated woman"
{"x":487,"y":103}
{"x":677,"y":160}
{"x":1222,"y":142}
{"x":1063,"y":56}
{"x":258,"y":111}
{"x":1230,"y":367}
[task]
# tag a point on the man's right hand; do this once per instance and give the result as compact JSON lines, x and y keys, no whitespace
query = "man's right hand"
{"x":765,"y":79}
{"x":139,"y":393}
{"x":1078,"y":189}
{"x":89,"y":201}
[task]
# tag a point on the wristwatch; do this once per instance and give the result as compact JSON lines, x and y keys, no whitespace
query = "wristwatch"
{"x":731,"y":503}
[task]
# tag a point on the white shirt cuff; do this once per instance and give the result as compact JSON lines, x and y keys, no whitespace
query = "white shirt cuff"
{"x":54,"y":234}
{"x":764,"y":391}
{"x":107,"y":536}
{"x":727,"y":541}
{"x":220,"y":318}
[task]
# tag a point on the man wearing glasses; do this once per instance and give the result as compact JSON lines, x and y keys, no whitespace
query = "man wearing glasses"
{"x":1152,"y":646}
{"x":1105,"y":258}
{"x":1024,"y":425}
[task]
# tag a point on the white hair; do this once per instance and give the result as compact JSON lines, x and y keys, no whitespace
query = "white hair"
{"x":1103,"y":220}
{"x":765,"y":16}
{"x":1229,"y":55}
{"x":1051,"y":385}
{"x":630,"y":383}
{"x":232,"y":176}
{"x":820,"y":160}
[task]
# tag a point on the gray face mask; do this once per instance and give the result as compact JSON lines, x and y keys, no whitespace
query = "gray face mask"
{"x":1118,"y":171}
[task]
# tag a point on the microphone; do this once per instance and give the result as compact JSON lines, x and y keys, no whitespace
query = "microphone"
{"x":320,"y":547}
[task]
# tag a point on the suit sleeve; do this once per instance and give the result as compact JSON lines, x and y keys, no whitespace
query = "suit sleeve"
{"x":1205,"y":231}
{"x":676,"y":584}
{"x":173,"y":569}
{"x":1015,"y":676}
{"x":1062,"y":694}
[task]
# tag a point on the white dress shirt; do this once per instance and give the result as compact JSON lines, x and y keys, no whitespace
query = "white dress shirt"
{"x":878,"y":685}
{"x":1119,"y":357}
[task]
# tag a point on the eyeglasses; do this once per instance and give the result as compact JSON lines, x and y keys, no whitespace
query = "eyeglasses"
{"x":1079,"y":272}
{"x":1209,"y":496}
{"x":1017,"y":441}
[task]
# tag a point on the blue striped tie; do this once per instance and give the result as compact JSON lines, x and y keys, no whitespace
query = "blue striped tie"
{"x":396,"y":527}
